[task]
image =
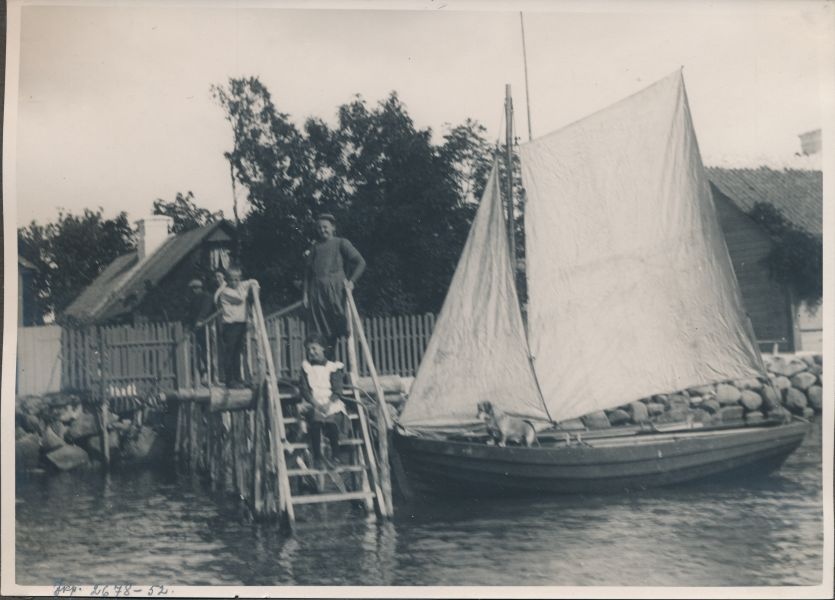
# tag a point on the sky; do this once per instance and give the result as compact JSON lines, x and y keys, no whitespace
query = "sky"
{"x":114,"y":108}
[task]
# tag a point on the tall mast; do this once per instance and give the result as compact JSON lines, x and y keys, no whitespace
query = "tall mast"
{"x":525,"y":60}
{"x":511,"y":229}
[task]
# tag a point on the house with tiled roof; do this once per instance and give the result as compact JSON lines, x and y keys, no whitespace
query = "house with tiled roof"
{"x":150,"y":283}
{"x":798,"y":194}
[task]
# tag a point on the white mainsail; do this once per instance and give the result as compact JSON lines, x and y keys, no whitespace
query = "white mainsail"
{"x":631,"y":288}
{"x":478,"y":349}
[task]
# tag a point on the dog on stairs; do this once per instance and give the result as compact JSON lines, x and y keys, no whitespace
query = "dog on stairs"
{"x":504,"y":428}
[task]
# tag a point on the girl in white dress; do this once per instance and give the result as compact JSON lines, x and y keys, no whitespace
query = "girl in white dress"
{"x":321,"y":388}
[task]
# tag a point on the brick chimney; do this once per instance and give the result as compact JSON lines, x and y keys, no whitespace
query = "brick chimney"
{"x":153,"y":231}
{"x":810,"y":142}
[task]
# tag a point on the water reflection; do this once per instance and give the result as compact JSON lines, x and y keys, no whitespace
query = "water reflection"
{"x":149,"y":527}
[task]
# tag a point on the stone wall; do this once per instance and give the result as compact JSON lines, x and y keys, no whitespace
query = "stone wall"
{"x":793,"y":387}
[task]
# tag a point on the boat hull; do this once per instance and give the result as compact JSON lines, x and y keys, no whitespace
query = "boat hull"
{"x":602,"y":465}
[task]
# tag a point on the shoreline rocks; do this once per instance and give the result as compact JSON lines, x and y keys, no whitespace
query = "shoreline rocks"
{"x":62,"y":432}
{"x":793,"y":386}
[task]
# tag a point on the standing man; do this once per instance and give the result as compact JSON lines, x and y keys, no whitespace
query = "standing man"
{"x":200,"y":307}
{"x":332,"y":263}
{"x":231,"y":298}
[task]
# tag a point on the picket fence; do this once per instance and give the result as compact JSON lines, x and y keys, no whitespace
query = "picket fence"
{"x":130,"y":362}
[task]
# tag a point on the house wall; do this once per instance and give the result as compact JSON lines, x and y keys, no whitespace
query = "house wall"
{"x":169,"y":300}
{"x":766,"y":301}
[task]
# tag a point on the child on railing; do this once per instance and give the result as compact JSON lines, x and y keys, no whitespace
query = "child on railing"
{"x":321,"y":388}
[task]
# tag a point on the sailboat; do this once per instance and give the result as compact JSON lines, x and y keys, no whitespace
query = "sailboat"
{"x":631,"y":293}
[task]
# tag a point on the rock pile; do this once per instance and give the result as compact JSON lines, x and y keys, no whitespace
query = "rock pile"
{"x":793,"y":387}
{"x":61,"y":433}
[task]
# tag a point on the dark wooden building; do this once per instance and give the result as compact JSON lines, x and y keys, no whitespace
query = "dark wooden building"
{"x":151,"y":283}
{"x":798,"y":195}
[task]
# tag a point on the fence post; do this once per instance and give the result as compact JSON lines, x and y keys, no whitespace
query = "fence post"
{"x":105,"y":413}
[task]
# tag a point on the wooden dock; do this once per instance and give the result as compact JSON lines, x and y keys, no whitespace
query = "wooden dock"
{"x":252,"y":442}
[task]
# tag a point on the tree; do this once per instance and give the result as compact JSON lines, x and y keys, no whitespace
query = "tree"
{"x":796,"y":260}
{"x":185,"y":212}
{"x":70,"y":253}
{"x":403,"y":200}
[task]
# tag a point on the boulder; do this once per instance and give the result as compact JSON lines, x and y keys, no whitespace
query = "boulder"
{"x":803,"y":381}
{"x":31,"y":423}
{"x":711,"y":405}
{"x":819,"y":359}
{"x":70,"y":412}
{"x":572,"y":425}
{"x":754,"y":417}
{"x":787,"y":368}
{"x":782,"y":383}
{"x":808,"y":359}
{"x":145,"y":444}
{"x":27,"y":450}
{"x":52,"y":440}
{"x":770,"y":397}
{"x":94,"y":445}
{"x":815,"y":397}
{"x":727,"y":394}
{"x":697,"y":400}
{"x":618,"y":417}
{"x":701,"y":416}
{"x":795,"y":400}
{"x":730,"y":413}
{"x":674,"y":415}
{"x":68,"y":457}
{"x":30,"y":405}
{"x":808,"y":412}
{"x":661,"y":399}
{"x":701,"y":390}
{"x":596,"y":420}
{"x":639,"y":412}
{"x":655,"y":408}
{"x":752,"y":383}
{"x":679,"y":401}
{"x":751,"y":400}
{"x":778,"y":412}
{"x":84,"y":426}
{"x":816,"y":370}
{"x":20,"y":432}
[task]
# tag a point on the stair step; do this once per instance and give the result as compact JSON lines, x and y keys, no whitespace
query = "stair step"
{"x":342,"y":469}
{"x":293,"y":420}
{"x":319,"y":498}
{"x":290,"y":446}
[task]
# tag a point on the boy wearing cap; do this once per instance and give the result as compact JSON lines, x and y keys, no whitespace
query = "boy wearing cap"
{"x":200,"y":307}
{"x":332,"y":263}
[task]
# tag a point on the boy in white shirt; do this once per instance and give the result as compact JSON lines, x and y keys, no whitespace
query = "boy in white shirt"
{"x":231,"y":299}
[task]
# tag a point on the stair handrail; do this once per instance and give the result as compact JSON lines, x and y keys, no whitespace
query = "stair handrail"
{"x":276,"y":416}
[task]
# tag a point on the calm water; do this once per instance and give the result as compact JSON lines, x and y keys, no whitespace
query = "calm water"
{"x":152,"y":527}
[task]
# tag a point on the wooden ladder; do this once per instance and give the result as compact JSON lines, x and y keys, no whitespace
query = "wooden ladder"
{"x":364,"y":464}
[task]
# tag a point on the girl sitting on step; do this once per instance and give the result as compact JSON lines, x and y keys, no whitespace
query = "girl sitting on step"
{"x":321,"y":388}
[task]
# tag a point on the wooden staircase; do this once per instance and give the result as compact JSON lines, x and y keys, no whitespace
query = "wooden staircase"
{"x":366,"y":469}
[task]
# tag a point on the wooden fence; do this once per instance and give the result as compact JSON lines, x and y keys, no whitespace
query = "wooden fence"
{"x":397,"y":343}
{"x":38,"y":360}
{"x":131,"y":362}
{"x":121,"y":361}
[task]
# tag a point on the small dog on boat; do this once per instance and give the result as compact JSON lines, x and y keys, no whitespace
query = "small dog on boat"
{"x":504,"y":428}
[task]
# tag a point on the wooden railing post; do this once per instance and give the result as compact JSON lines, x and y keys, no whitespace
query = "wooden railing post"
{"x":383,"y":420}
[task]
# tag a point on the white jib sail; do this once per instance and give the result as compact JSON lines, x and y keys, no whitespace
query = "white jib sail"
{"x":631,"y":288}
{"x":478,"y":349}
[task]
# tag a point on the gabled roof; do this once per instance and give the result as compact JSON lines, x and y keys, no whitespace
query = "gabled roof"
{"x":124,"y":282}
{"x":798,"y":194}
